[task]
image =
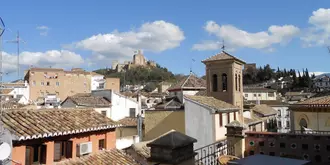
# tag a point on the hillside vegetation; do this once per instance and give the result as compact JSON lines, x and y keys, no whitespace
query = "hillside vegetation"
{"x":140,"y":75}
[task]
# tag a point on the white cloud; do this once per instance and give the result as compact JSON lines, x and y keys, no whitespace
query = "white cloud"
{"x":236,"y":38}
{"x":53,"y":58}
{"x":155,"y":36}
{"x":319,"y":33}
{"x":43,"y":30}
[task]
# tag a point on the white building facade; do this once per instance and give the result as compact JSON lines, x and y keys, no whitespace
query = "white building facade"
{"x":20,"y":91}
{"x":256,"y":93}
{"x":97,"y":82}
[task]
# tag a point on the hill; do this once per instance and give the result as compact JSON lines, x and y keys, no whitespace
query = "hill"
{"x":140,"y":75}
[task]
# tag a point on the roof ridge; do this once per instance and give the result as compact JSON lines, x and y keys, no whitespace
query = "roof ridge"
{"x":185,"y":80}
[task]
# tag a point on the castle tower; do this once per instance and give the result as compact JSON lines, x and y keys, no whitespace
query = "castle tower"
{"x":224,"y":79}
{"x":138,"y":58}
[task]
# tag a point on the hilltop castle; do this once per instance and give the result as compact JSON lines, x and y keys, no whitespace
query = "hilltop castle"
{"x":138,"y":60}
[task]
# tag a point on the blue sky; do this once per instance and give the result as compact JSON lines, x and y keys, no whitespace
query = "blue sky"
{"x":90,"y":34}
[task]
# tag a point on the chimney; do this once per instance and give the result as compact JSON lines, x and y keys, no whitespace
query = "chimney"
{"x":173,"y":148}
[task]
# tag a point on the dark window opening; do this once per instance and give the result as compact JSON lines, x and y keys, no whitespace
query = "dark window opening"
{"x":271,"y":153}
{"x":224,"y":82}
{"x":304,"y":146}
{"x":220,"y":119}
{"x":214,"y":83}
{"x":282,"y":145}
{"x":132,"y":112}
{"x":239,"y":83}
{"x":101,"y":144}
{"x":261,"y":143}
{"x":48,"y":83}
{"x":228,"y":117}
{"x":328,"y":147}
{"x":251,"y":152}
{"x":62,"y":150}
{"x":262,"y":153}
{"x":318,"y":158}
{"x":236,"y":84}
{"x":104,"y":113}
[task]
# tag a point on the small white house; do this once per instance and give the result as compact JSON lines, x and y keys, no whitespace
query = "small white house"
{"x":121,"y":106}
{"x":258,"y":93}
{"x":97,"y":81}
{"x":19,"y":91}
{"x":206,"y":118}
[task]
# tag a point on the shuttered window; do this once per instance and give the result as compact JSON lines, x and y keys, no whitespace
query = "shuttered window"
{"x":101,"y":144}
{"x":43,"y":154}
{"x":69,"y":149}
{"x":132,"y":112}
{"x":57,"y":151}
{"x":220,"y":119}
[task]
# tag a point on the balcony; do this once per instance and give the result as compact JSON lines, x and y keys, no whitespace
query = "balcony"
{"x":210,"y":154}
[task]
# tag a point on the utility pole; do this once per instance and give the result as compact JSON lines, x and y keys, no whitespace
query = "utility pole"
{"x":2,"y":30}
{"x":17,"y":41}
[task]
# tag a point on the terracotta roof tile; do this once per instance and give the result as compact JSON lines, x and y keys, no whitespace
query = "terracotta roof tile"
{"x":107,"y":157}
{"x":222,"y":56}
{"x":89,"y":100}
{"x":201,"y":93}
{"x":129,"y":121}
{"x":213,"y":103}
{"x":317,"y":101}
{"x":36,"y":123}
{"x":264,"y":110}
{"x":173,"y":139}
{"x":191,"y":82}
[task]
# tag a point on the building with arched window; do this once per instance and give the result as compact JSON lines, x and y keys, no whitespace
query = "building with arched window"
{"x":311,"y":114}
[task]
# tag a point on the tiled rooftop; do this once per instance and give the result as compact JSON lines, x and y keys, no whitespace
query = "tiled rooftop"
{"x":172,"y":140}
{"x":191,"y":82}
{"x":264,"y":109}
{"x":222,"y":56}
{"x":89,"y":100}
{"x":317,"y":101}
{"x":108,"y":157}
{"x":34,"y":124}
{"x":201,"y":93}
{"x":128,"y":121}
{"x":212,"y":103}
{"x":270,"y":102}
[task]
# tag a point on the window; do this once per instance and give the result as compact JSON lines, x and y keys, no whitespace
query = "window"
{"x":62,"y":150}
{"x":48,"y":83}
{"x":35,"y":154}
{"x":101,"y":144}
{"x":104,"y":113}
{"x":57,"y":93}
{"x":236,"y":84}
{"x":255,"y":95}
{"x":220,"y":119}
{"x":271,"y":153}
{"x":287,"y":124}
{"x":271,"y":94}
{"x":303,"y":123}
{"x":261,"y":143}
{"x":132,"y":112}
{"x":239,"y":82}
{"x":246,"y":95}
{"x":234,"y":115}
{"x":304,"y":146}
{"x":34,"y":83}
{"x":279,"y":124}
{"x":57,"y":83}
{"x":318,"y":158}
{"x":42,"y":83}
{"x":228,"y":117}
{"x":251,"y":152}
{"x":224,"y":82}
{"x":214,"y":83}
{"x":101,"y":86}
{"x":259,"y":95}
{"x":279,"y":113}
{"x":282,"y":145}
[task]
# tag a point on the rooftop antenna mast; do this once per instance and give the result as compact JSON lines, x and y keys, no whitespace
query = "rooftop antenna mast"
{"x":17,"y":41}
{"x":2,"y":30}
{"x":223,"y":45}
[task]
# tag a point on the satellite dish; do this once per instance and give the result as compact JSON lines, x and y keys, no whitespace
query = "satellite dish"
{"x":5,"y":151}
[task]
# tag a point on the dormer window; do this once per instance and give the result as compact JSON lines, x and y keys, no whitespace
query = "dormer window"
{"x":214,"y":83}
{"x":224,"y":82}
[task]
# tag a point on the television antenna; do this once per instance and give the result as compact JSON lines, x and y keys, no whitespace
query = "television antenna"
{"x":17,"y":41}
{"x":2,"y":30}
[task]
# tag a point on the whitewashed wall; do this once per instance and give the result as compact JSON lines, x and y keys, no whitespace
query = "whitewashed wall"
{"x":199,"y":124}
{"x":121,"y":105}
{"x":259,"y":96}
{"x":94,"y":81}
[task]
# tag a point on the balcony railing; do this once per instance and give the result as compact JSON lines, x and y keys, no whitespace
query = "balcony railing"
{"x":310,"y":132}
{"x":209,"y":155}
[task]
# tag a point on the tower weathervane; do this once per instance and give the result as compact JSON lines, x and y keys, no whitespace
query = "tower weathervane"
{"x":223,"y":45}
